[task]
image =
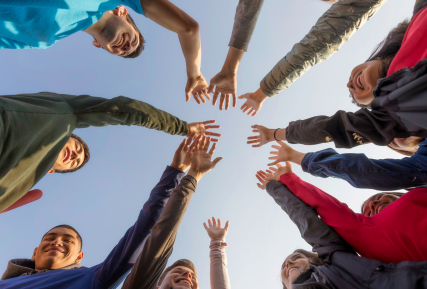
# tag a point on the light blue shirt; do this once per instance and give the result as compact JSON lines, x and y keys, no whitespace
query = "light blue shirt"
{"x":41,"y":23}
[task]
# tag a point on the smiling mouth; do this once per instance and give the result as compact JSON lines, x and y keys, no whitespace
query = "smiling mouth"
{"x":67,"y":155}
{"x":54,"y":250}
{"x":359,"y":82}
{"x":120,"y":41}
{"x":185,"y":281}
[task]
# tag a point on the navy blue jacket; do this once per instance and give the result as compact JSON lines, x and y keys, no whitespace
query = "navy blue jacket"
{"x":112,"y":271}
{"x":364,"y":173}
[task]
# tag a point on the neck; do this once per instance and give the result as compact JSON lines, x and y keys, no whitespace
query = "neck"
{"x":96,"y":28}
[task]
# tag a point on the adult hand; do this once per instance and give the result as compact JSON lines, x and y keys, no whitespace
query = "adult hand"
{"x":201,"y":163}
{"x":266,"y":135}
{"x":281,"y":170}
{"x":200,"y":128}
{"x":253,"y":102}
{"x":198,"y":87}
{"x":226,"y":84}
{"x":214,"y":230}
{"x":283,"y":154}
{"x":264,"y":178}
{"x":184,"y":154}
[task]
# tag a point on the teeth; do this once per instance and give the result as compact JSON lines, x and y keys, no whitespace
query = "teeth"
{"x":121,"y":40}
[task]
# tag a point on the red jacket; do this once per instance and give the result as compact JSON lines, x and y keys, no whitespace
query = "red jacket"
{"x":398,"y":233}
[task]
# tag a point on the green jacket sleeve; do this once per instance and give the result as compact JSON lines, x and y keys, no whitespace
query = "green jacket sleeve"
{"x":331,"y":31}
{"x":158,"y":246}
{"x":98,"y":111}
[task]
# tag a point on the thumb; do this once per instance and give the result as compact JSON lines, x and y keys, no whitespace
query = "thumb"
{"x":242,"y":96}
{"x":281,"y":143}
{"x":215,"y":161}
{"x":226,"y":226}
{"x":187,"y":96}
{"x":273,"y":163}
{"x":288,"y":164}
{"x":211,"y":87}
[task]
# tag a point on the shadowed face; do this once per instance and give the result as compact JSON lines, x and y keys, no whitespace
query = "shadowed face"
{"x":60,"y":247}
{"x":363,"y":80}
{"x":375,"y":204}
{"x":180,"y":277}
{"x":294,"y":265}
{"x":71,"y":156}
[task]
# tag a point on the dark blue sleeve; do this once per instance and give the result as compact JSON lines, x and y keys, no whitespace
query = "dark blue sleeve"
{"x":362,"y":172}
{"x":114,"y":269}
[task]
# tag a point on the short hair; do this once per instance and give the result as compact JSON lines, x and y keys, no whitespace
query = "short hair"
{"x":406,"y":153}
{"x":86,"y":159}
{"x":138,"y":50}
{"x":313,"y":259}
{"x":397,"y":194}
{"x":181,"y":262}
{"x":71,"y":228}
{"x":386,"y":50}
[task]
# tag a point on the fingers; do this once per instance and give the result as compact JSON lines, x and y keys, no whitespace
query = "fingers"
{"x":227,"y":101}
{"x":234,"y":100}
{"x":206,"y":144}
{"x":221,"y":101}
{"x":215,"y":97}
{"x":212,"y":126}
{"x":210,"y":223}
{"x":215,"y":161}
{"x":196,"y":97}
{"x":259,"y":178}
{"x":187,"y":96}
{"x":270,"y":172}
{"x":219,"y":223}
{"x":273,"y":169}
{"x":246,"y":106}
{"x":211,"y":87}
{"x":213,"y":221}
{"x":208,"y":122}
{"x":212,"y":150}
{"x":181,"y":145}
{"x":213,"y":134}
{"x":227,"y":224}
{"x":205,"y":92}
{"x":273,"y":163}
{"x":200,"y":94}
{"x":276,"y":147}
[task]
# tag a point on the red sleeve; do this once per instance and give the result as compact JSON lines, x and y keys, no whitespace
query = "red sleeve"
{"x":29,"y":197}
{"x":333,"y":213}
{"x":414,"y":45}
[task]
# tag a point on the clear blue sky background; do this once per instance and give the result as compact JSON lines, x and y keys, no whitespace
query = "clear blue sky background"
{"x":103,"y":200}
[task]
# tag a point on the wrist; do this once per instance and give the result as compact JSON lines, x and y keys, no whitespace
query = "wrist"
{"x":231,"y":63}
{"x":296,"y":157}
{"x":270,"y":134}
{"x":260,"y":96}
{"x":195,"y":174}
{"x":180,"y":167}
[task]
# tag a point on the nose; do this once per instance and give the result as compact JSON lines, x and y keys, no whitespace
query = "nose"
{"x":56,"y":242}
{"x":350,"y":84}
{"x":372,"y":205}
{"x":74,"y":155}
{"x":126,"y":47}
{"x":188,"y":274}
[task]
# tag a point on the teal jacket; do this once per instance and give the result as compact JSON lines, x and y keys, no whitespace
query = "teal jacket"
{"x":35,"y":127}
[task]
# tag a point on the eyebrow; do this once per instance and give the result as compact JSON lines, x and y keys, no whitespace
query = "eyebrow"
{"x":55,"y":234}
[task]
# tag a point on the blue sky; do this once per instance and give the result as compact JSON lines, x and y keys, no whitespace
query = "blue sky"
{"x":103,"y":200}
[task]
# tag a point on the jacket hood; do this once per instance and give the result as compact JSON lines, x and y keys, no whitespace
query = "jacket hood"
{"x":311,"y":279}
{"x":18,"y":267}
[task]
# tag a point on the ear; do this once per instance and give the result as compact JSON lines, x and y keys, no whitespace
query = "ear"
{"x":51,"y":171}
{"x":120,"y":11}
{"x":96,"y":43}
{"x":79,"y":257}
{"x":33,"y":258}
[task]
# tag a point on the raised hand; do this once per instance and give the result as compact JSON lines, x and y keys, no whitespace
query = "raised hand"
{"x":198,"y":87}
{"x":280,"y":170}
{"x":226,"y":84}
{"x":202,"y":163}
{"x":184,"y":154}
{"x":214,"y":230}
{"x":266,"y":135}
{"x":283,"y":153}
{"x":200,"y":128}
{"x":264,"y":178}
{"x":253,"y":102}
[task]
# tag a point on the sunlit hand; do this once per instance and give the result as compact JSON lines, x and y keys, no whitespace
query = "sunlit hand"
{"x":281,"y":170}
{"x":226,"y":84}
{"x":266,"y":135}
{"x":253,"y":102}
{"x":184,"y":154}
{"x":201,"y":163}
{"x":198,"y":87}
{"x":214,"y":230}
{"x":283,"y":153}
{"x":201,"y":128}
{"x":264,"y":178}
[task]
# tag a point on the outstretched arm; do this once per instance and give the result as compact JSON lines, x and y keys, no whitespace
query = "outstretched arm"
{"x":174,"y":19}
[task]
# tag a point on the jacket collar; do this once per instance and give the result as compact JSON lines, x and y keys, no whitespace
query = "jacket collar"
{"x":19,"y":267}
{"x":307,"y":281}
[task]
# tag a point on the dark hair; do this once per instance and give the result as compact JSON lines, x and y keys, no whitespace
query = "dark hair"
{"x":413,"y":143}
{"x":397,"y":194}
{"x":71,"y":228}
{"x":181,"y":262}
{"x":313,"y":259}
{"x":138,"y":50}
{"x":87,"y":156}
{"x":386,"y":50}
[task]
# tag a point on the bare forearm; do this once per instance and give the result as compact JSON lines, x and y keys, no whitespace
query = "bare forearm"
{"x":232,"y":61}
{"x":191,"y":48}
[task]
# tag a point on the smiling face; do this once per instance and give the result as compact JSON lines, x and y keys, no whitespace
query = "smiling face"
{"x":375,"y":204}
{"x":60,"y":247}
{"x":180,"y":277}
{"x":363,"y":80}
{"x":116,"y":35}
{"x":71,"y":156}
{"x":294,"y":265}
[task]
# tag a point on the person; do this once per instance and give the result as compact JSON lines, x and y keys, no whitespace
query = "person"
{"x":158,"y":246}
{"x":56,"y":261}
{"x":380,"y":232}
{"x":37,"y":127}
{"x":110,"y":25}
{"x":396,"y":103}
{"x":182,"y":273}
{"x":359,"y":170}
{"x":335,"y":26}
{"x":334,"y":263}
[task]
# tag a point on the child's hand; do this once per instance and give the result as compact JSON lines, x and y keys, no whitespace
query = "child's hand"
{"x":281,"y":170}
{"x":264,"y":178}
{"x":214,"y":230}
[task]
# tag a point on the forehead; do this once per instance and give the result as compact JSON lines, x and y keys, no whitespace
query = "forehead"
{"x":292,"y":256}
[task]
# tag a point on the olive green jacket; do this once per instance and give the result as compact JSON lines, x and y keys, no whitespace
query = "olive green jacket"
{"x":35,"y":127}
{"x":331,"y":31}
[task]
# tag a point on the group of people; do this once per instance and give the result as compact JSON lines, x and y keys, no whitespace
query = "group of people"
{"x":382,"y":247}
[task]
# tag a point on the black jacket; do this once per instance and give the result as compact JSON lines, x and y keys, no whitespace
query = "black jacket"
{"x":399,"y":110}
{"x":343,"y":268}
